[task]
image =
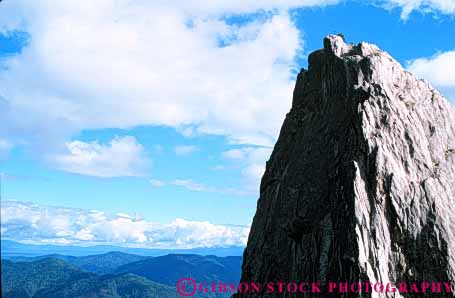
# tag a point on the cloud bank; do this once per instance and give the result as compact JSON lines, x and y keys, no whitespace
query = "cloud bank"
{"x":122,"y":64}
{"x":23,"y":221}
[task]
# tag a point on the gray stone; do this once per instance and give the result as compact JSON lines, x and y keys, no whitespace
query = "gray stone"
{"x":361,"y":183}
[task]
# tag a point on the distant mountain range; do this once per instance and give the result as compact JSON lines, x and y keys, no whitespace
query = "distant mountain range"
{"x":10,"y":249}
{"x":113,"y":274}
{"x":54,"y":278}
{"x":170,"y":268}
{"x":99,"y":264}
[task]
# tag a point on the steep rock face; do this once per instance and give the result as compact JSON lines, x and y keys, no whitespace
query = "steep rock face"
{"x":361,"y":183}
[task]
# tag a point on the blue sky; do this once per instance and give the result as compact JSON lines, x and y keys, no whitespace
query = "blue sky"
{"x":170,"y":111}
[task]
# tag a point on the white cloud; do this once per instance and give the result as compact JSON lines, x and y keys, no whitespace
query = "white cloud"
{"x":45,"y":224}
{"x":408,"y":6}
{"x":220,"y":7}
{"x":123,"y":156}
{"x":185,"y":149}
{"x":439,"y":70}
{"x":119,"y":64}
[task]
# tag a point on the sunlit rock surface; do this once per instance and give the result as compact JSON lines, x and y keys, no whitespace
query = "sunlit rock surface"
{"x":361,"y":183}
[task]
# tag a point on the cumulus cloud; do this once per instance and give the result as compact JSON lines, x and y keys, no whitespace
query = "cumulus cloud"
{"x":123,"y":156}
{"x":185,"y":149}
{"x":439,"y":70}
{"x":408,"y":6}
{"x":45,"y":224}
{"x":120,"y":64}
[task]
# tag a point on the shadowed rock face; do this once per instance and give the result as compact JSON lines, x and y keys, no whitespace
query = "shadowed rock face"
{"x":361,"y":183}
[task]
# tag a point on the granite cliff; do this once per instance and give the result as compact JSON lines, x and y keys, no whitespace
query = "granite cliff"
{"x":361,"y":183}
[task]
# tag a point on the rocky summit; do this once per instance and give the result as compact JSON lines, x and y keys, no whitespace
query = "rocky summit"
{"x":360,"y":186}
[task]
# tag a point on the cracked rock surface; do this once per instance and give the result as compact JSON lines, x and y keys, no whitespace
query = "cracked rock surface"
{"x":361,"y":183}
